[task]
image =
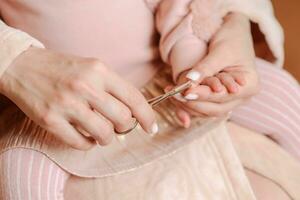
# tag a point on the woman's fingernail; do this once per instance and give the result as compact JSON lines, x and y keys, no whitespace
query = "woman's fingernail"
{"x":121,"y":138}
{"x":191,"y":97}
{"x":179,"y":97}
{"x":193,"y":75}
{"x":154,"y":129}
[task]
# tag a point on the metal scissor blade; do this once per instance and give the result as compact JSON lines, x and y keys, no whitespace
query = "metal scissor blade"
{"x":156,"y":100}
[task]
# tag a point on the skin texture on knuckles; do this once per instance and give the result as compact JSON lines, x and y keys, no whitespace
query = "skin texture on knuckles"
{"x":70,"y":95}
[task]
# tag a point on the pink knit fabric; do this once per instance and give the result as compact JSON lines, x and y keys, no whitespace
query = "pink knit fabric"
{"x":29,"y":175}
{"x":275,"y":110}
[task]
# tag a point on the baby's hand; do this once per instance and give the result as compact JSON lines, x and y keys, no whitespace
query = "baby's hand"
{"x":223,"y":85}
{"x":230,"y":48}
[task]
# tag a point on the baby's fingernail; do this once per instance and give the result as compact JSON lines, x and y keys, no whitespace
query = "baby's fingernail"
{"x":191,"y":97}
{"x":193,"y":75}
{"x":154,"y":129}
{"x":179,"y":97}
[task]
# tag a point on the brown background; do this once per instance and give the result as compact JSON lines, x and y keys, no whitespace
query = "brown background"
{"x":288,"y":13}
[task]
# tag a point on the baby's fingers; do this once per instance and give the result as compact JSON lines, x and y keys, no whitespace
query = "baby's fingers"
{"x":239,"y":77}
{"x":214,"y":83}
{"x":229,"y":82}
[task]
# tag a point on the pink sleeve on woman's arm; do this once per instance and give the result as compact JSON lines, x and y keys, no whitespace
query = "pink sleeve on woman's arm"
{"x":13,"y":43}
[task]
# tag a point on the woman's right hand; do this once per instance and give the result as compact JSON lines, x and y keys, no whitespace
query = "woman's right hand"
{"x":72,"y":97}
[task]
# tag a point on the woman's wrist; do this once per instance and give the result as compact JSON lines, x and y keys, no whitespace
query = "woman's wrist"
{"x":237,"y":30}
{"x":4,"y":79}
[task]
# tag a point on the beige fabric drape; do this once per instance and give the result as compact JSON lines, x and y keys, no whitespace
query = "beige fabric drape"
{"x":207,"y":168}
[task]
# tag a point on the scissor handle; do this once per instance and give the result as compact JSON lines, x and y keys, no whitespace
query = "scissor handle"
{"x":156,"y":100}
{"x":129,"y":130}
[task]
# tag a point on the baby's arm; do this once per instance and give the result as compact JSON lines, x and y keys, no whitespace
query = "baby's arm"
{"x":186,"y":26}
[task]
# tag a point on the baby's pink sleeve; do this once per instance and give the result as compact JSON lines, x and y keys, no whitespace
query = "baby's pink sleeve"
{"x":185,"y":27}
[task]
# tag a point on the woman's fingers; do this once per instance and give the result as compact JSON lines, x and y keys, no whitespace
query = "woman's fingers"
{"x":113,"y":110}
{"x":213,"y":109}
{"x":135,"y":101}
{"x":198,"y":92}
{"x":204,"y":93}
{"x":96,"y":125}
{"x":184,"y":117}
{"x":207,"y":108}
{"x":190,"y":111}
{"x":66,"y":132}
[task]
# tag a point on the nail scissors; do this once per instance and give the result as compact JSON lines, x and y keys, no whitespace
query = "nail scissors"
{"x":156,"y":100}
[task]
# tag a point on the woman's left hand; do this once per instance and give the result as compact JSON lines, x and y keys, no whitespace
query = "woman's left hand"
{"x":231,"y":52}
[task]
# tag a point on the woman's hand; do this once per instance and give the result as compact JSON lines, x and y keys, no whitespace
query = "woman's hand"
{"x":230,"y":53}
{"x":74,"y":97}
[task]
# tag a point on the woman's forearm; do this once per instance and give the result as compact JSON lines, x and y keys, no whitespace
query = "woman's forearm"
{"x":13,"y":43}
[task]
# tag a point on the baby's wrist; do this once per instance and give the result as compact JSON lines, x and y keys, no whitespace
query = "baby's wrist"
{"x":239,"y":20}
{"x":185,"y":54}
